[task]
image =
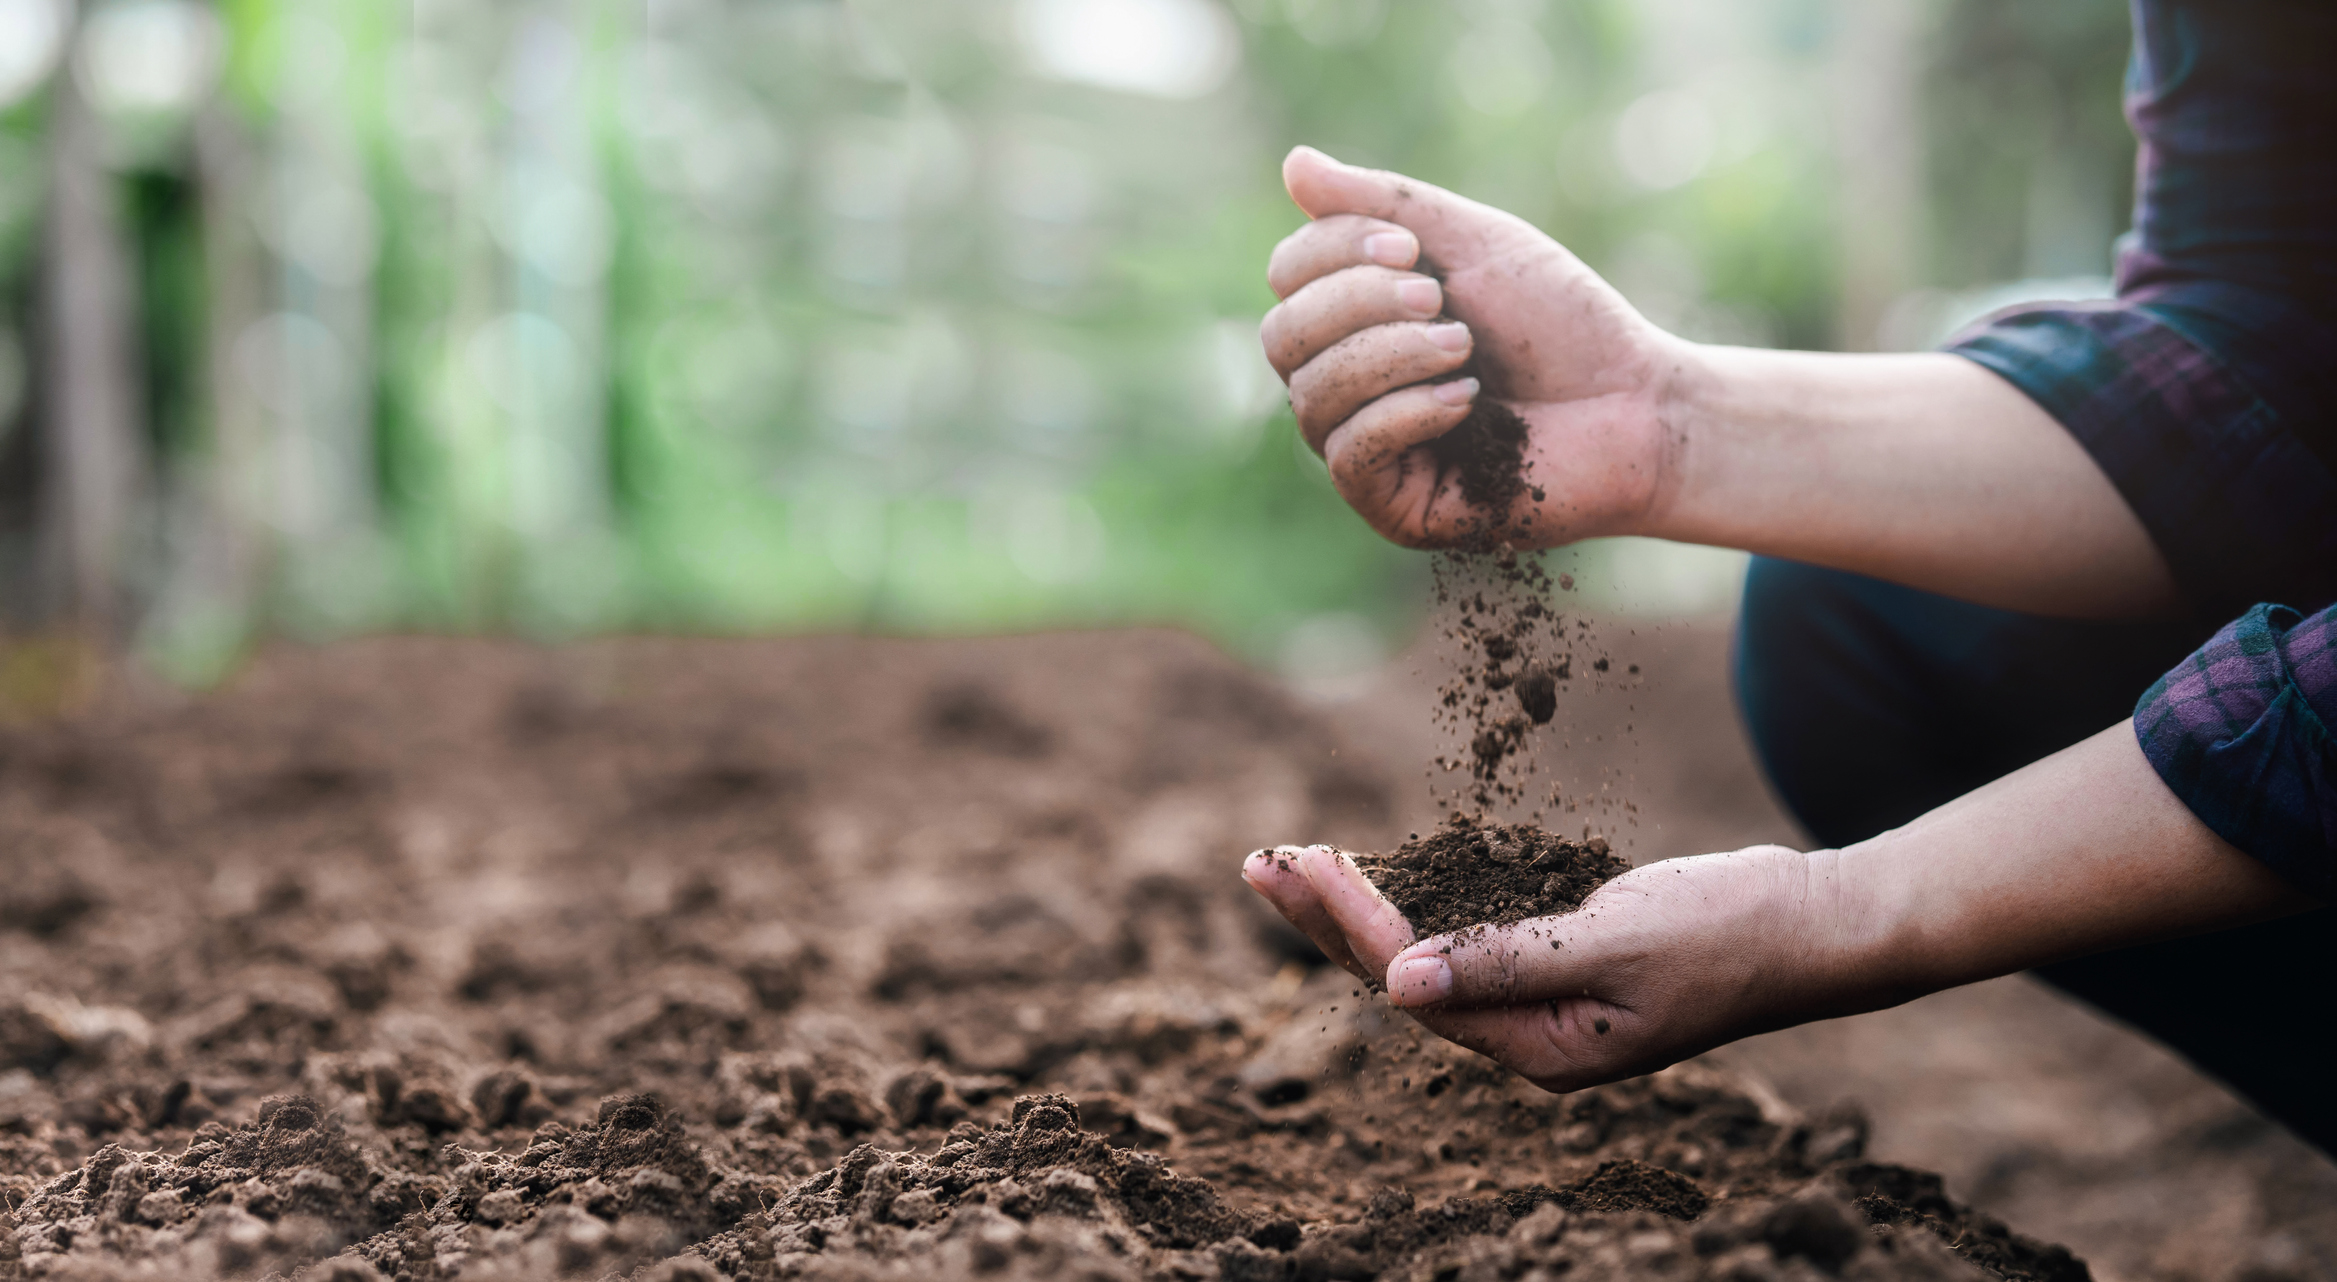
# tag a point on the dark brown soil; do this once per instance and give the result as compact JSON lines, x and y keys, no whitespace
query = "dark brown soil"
{"x":837,"y":958}
{"x":1628,"y":1185}
{"x":1887,"y":1194}
{"x":1486,"y":454}
{"x":1472,"y":872}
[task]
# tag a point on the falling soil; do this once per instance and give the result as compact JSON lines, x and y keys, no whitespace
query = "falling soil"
{"x":1514,"y":655}
{"x":427,"y":960}
{"x":1472,"y":872}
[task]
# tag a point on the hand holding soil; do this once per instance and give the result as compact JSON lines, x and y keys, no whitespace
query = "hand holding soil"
{"x":1417,"y":328}
{"x":1383,"y":359}
{"x":1661,"y":963}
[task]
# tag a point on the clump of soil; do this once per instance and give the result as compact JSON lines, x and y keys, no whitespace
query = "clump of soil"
{"x":1627,"y":1185}
{"x":1473,"y":872}
{"x":1898,"y":1195}
{"x":1038,"y":1195}
{"x":422,"y":960}
{"x":1486,"y":455}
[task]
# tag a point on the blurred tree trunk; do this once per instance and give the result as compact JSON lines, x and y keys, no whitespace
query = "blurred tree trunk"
{"x":1880,"y":200}
{"x":93,"y":451}
{"x":231,"y":549}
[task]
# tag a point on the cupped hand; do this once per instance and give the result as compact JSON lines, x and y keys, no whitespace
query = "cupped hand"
{"x":1664,"y":962}
{"x":1382,"y":358}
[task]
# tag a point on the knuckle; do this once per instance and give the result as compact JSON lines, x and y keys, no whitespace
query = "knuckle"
{"x":1303,"y":404}
{"x":1274,"y":335}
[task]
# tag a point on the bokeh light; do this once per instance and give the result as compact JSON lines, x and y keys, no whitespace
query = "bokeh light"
{"x":1169,"y":48}
{"x":31,"y":33}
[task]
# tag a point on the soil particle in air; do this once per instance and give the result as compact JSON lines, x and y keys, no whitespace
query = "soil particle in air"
{"x":1513,"y":656}
{"x":1537,"y":693}
{"x":1473,"y":872}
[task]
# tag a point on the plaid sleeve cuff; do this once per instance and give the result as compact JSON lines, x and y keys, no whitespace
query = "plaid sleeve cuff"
{"x":2235,"y":496}
{"x":2241,"y":733}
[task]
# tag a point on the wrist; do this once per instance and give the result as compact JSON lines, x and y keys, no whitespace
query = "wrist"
{"x":1879,"y":949}
{"x":1688,"y":382}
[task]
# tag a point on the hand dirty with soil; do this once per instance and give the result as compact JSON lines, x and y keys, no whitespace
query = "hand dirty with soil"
{"x":442,"y":959}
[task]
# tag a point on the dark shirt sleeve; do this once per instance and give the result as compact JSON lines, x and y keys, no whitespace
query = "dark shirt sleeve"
{"x":2207,"y":391}
{"x":2240,"y":732}
{"x":2227,"y":479}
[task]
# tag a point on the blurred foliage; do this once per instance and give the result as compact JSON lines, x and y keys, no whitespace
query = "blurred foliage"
{"x":572,"y":316}
{"x":2023,"y":112}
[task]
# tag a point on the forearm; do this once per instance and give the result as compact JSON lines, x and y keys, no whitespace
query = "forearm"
{"x":2082,"y":852}
{"x":1922,"y":469}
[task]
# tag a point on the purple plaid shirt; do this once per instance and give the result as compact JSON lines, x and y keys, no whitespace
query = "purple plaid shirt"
{"x":2241,"y":732}
{"x":2207,"y":392}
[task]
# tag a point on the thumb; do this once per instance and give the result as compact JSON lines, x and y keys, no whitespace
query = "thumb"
{"x":1537,"y":960}
{"x":1444,"y":222}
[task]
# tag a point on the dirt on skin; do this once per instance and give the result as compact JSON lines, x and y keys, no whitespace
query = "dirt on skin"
{"x":436,"y":959}
{"x":1474,"y":872}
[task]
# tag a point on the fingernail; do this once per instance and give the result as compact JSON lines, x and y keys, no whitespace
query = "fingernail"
{"x":1390,"y":248}
{"x":1421,"y":295}
{"x":1452,"y":336}
{"x":1460,"y":391}
{"x":1420,"y":980}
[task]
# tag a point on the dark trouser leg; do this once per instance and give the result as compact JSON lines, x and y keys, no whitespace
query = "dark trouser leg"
{"x":1870,"y":703}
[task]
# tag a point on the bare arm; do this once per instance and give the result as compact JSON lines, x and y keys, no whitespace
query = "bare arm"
{"x":2083,"y":851}
{"x":1922,"y":469}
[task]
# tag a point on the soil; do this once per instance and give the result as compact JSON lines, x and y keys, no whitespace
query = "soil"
{"x":434,"y":959}
{"x":1486,"y":453}
{"x":1474,"y":872}
{"x":1512,"y":657}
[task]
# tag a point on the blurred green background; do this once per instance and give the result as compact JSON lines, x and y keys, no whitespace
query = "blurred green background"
{"x":558,"y":317}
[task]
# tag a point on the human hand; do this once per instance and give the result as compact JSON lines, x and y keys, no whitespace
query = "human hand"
{"x":1662,"y":963}
{"x":1359,"y":339}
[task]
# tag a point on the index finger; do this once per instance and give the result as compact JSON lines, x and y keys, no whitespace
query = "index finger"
{"x":1374,"y":928}
{"x":1275,"y":874}
{"x":1335,"y":243}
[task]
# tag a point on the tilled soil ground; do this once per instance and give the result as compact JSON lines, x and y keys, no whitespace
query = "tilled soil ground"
{"x":432,"y":959}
